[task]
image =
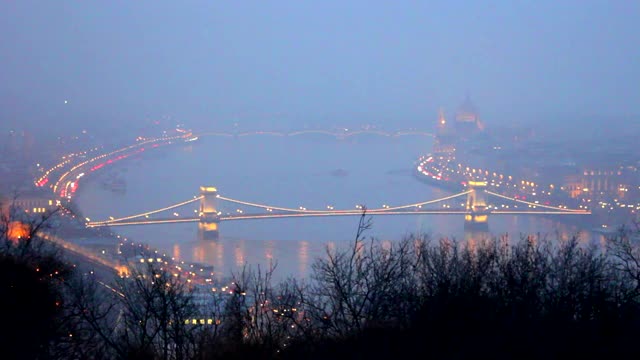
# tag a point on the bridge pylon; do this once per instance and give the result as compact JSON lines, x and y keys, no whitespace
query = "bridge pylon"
{"x":209,"y":219}
{"x":477,"y":212}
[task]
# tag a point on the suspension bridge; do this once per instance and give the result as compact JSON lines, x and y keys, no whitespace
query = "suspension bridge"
{"x":471,"y":204}
{"x":340,"y":134}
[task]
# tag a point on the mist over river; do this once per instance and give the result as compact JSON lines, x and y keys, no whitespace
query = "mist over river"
{"x":313,"y":171}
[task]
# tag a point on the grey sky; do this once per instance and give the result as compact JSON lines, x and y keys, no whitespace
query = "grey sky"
{"x":319,"y":63}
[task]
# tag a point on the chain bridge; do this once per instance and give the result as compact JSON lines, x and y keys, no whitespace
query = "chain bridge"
{"x":212,"y":209}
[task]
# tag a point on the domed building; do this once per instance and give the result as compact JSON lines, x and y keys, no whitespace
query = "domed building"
{"x":467,"y":120}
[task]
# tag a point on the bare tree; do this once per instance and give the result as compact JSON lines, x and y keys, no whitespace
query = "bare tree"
{"x":370,"y":285}
{"x":140,"y":315}
{"x":90,"y":315}
{"x":154,"y":306}
{"x":626,"y":259}
{"x":34,"y":269}
{"x":258,"y":314}
{"x":21,"y":232}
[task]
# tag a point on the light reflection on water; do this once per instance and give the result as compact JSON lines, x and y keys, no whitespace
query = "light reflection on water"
{"x":289,"y":172}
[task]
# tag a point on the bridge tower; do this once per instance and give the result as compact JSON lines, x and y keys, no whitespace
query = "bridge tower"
{"x":477,"y":213}
{"x":209,"y":220}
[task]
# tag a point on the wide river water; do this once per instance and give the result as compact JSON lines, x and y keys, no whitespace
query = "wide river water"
{"x":313,"y":171}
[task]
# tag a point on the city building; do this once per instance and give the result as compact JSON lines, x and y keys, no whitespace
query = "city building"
{"x":467,"y":120}
{"x":445,"y":141}
{"x":29,"y":200}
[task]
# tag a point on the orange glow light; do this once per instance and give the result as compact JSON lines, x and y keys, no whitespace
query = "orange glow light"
{"x":17,"y":230}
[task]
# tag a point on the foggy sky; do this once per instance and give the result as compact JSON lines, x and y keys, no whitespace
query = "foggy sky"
{"x":289,"y":64}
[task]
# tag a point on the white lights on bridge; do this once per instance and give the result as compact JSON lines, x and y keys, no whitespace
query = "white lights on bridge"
{"x":301,"y":211}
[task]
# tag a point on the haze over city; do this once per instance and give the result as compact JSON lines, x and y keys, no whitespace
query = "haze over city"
{"x":313,"y":180}
{"x":286,"y":64}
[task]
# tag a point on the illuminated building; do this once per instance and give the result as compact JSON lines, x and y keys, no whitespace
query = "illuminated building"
{"x":445,"y":140}
{"x":598,"y":183}
{"x":442,"y":123}
{"x":30,"y":201}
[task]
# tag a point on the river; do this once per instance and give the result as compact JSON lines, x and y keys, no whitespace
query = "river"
{"x":313,"y":171}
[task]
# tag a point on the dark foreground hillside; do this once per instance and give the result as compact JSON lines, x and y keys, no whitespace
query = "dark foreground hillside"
{"x":497,"y":299}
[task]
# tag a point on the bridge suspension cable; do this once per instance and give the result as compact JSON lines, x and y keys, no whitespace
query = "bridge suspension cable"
{"x":420,"y":203}
{"x":374,"y":132}
{"x":274,"y":133}
{"x":266,"y":207}
{"x":290,"y":212}
{"x":301,"y":132}
{"x":534,"y":204}
{"x":544,"y":212}
{"x":384,"y":209}
{"x":342,"y":213}
{"x":110,"y":221}
{"x":394,"y":209}
{"x":146,"y":222}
